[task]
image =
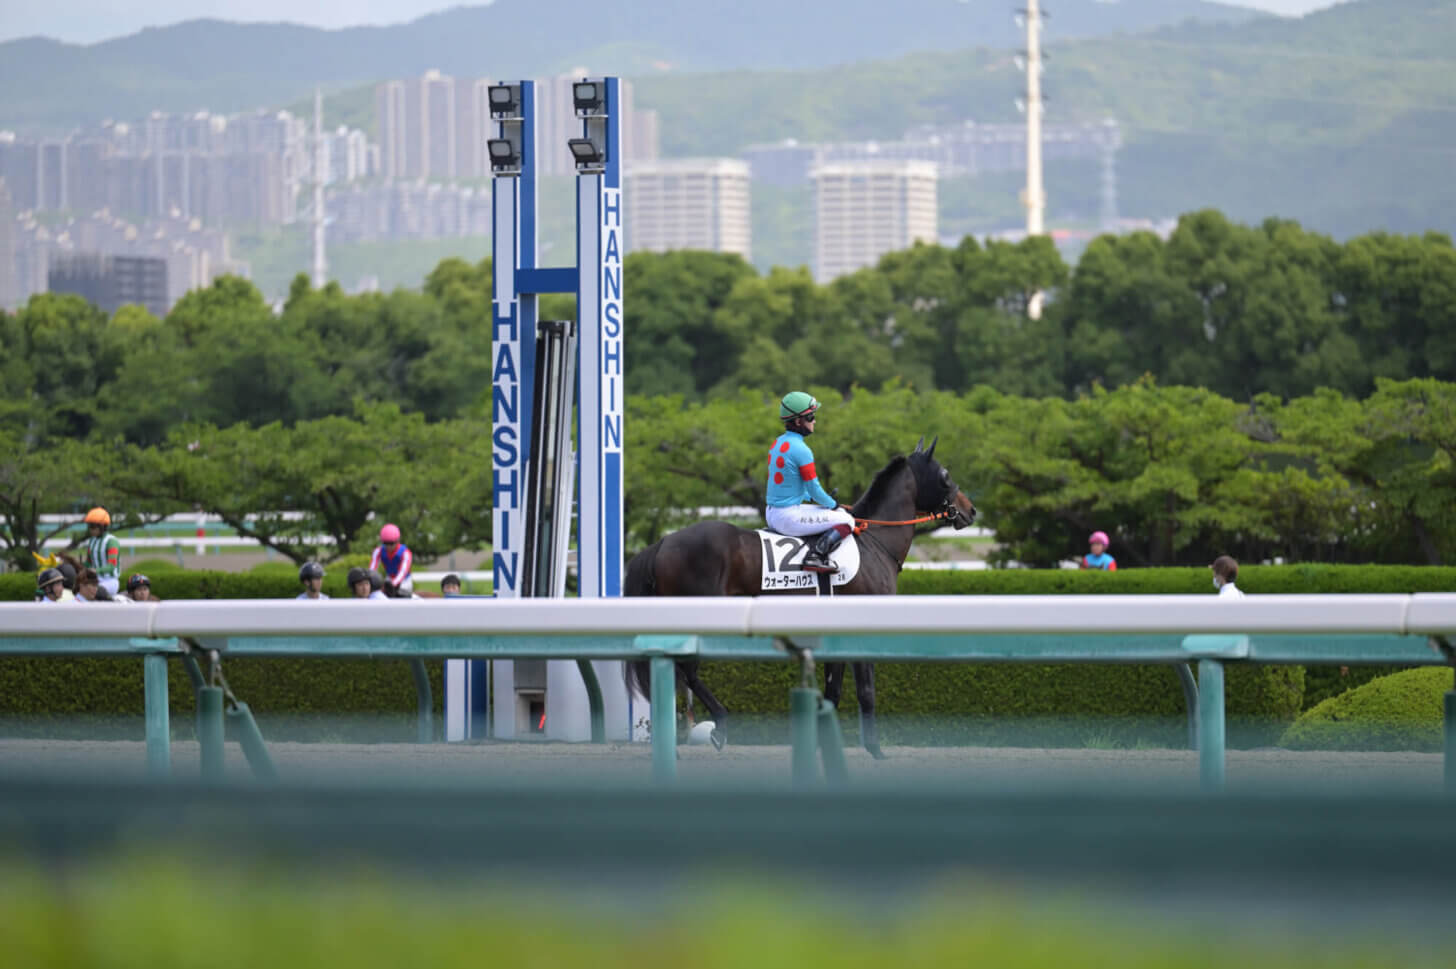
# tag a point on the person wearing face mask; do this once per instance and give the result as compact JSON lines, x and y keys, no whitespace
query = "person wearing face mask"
{"x":1225,"y":571}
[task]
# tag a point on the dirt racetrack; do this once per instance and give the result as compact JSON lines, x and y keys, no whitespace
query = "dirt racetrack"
{"x":981,"y":768}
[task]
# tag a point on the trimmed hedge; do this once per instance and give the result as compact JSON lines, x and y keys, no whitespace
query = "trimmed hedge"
{"x":296,"y":698}
{"x":267,"y":582}
{"x":938,"y":704}
{"x":313,"y":699}
{"x":1256,"y":579}
{"x":1403,"y":711}
{"x":919,"y":703}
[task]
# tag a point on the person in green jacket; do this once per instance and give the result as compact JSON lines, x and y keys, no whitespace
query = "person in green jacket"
{"x":101,"y":552}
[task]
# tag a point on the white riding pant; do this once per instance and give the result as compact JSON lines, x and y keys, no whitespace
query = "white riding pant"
{"x":802,"y":520}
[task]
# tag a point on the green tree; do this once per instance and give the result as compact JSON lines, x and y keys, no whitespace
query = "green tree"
{"x":319,"y":489}
{"x":70,"y":355}
{"x":673,"y":338}
{"x":1397,"y":296}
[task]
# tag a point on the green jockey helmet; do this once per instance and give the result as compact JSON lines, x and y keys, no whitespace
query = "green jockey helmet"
{"x":797,"y":404}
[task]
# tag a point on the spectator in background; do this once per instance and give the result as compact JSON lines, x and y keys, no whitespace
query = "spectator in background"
{"x":64,"y":567}
{"x":88,"y":586}
{"x":1225,"y":571}
{"x":312,"y":577}
{"x":450,"y":585}
{"x":361,"y":587}
{"x":139,"y":588}
{"x":69,"y":570}
{"x":1097,"y":557}
{"x":101,"y":552}
{"x":397,"y":562}
{"x":49,"y":585}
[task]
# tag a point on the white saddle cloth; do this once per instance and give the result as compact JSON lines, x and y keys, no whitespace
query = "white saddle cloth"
{"x":782,"y":558}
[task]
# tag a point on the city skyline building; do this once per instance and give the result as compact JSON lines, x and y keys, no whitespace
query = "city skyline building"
{"x":863,"y":210}
{"x":194,"y":255}
{"x":389,"y":107}
{"x":111,"y":282}
{"x":689,"y":203}
{"x":9,"y":288}
{"x":964,"y":148}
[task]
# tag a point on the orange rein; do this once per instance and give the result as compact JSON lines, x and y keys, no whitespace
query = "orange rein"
{"x":860,"y":524}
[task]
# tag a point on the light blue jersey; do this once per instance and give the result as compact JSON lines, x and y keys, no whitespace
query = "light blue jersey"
{"x":792,"y":479}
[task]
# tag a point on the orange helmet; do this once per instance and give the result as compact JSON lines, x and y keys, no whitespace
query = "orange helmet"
{"x":98,"y":516}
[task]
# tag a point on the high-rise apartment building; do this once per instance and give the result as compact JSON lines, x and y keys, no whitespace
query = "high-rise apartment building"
{"x":18,"y":168}
{"x":689,"y":203}
{"x":348,"y":155}
{"x":9,"y":289}
{"x":420,"y":122}
{"x":431,"y":120}
{"x":863,"y":210}
{"x":472,"y":127}
{"x":111,"y":282}
{"x":389,"y":105}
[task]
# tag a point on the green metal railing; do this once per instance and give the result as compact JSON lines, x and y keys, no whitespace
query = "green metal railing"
{"x":814,"y":730}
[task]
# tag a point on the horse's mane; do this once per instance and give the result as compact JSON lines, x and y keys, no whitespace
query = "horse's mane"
{"x":878,"y":488}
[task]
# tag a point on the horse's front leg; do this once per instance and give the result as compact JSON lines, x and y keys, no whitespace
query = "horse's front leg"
{"x":864,"y":689}
{"x":834,"y":682}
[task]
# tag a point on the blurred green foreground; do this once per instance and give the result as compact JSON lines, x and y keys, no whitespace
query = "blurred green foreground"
{"x":154,"y":915}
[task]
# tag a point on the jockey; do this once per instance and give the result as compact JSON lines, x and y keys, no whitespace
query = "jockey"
{"x":397,"y":561}
{"x":101,"y":551}
{"x":792,"y":481}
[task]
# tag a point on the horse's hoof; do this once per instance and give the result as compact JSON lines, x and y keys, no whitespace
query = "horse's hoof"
{"x":719,"y":738}
{"x":876,"y":752}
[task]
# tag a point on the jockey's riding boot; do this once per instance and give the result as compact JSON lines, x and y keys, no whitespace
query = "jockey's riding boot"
{"x":817,"y":558}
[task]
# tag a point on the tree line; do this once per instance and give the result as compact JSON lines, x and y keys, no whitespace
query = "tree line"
{"x":342,"y":406}
{"x":1176,"y":475}
{"x":1238,"y":310}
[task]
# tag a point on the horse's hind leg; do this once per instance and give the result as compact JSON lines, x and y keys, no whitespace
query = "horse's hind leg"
{"x":864,"y":689}
{"x":716,"y":710}
{"x":834,"y":682}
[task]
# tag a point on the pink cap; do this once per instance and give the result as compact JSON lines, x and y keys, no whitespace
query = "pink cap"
{"x":1099,"y":537}
{"x":389,"y":533}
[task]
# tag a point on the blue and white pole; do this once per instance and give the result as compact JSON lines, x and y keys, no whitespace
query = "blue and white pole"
{"x":513,"y":351}
{"x":600,"y":249}
{"x":517,"y":280}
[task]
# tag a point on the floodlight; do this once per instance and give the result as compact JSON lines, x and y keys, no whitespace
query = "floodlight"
{"x":505,"y":156}
{"x":589,"y":98}
{"x":504,"y":100}
{"x":587,"y":153}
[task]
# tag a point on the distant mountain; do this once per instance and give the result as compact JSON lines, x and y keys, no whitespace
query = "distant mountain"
{"x":1345,"y":120}
{"x":224,"y":66}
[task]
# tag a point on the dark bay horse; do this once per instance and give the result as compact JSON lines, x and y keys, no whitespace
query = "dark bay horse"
{"x":714,"y":558}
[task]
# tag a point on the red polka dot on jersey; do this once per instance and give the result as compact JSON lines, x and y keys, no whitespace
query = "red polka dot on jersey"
{"x":780,"y":462}
{"x":784,"y":446}
{"x":778,"y":477}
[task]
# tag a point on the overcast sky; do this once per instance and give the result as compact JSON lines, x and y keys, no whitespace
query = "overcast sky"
{"x":87,"y":21}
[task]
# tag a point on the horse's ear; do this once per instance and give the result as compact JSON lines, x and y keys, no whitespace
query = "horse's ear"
{"x":931,"y":452}
{"x":921,"y":446}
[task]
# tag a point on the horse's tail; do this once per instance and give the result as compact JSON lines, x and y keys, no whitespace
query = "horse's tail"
{"x":638,"y":674}
{"x":640,"y":580}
